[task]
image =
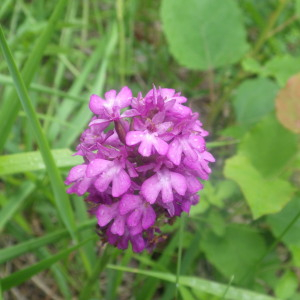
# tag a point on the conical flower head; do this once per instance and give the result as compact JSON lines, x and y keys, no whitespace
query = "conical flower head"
{"x":144,"y":170}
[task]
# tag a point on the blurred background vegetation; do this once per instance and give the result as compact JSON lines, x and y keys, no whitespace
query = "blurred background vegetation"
{"x":238,"y":62}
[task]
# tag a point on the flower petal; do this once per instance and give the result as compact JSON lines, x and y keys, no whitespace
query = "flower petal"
{"x":166,"y":192}
{"x":163,"y":127}
{"x":208,"y":156}
{"x":130,"y":113}
{"x":83,"y":186}
{"x":128,"y":203}
{"x":160,"y":146}
{"x":97,"y":166}
{"x":151,"y":188}
{"x":145,"y":147}
{"x":193,"y":184}
{"x":102,"y":183}
{"x":175,"y":152}
{"x":124,"y":97}
{"x":110,"y":97}
{"x":106,"y":213}
{"x":167,"y":93}
{"x":96,"y":104}
{"x":134,"y":218}
{"x":121,"y":183}
{"x":198,"y":142}
{"x":138,"y":243}
{"x":178,"y":183}
{"x":118,"y":226}
{"x":101,"y":123}
{"x":133,"y":137}
{"x":149,"y":217}
{"x":123,"y":242}
{"x":136,"y":229}
{"x":76,"y":173}
{"x":181,"y":110}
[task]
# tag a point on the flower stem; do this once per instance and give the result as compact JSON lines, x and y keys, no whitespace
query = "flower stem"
{"x":179,"y":257}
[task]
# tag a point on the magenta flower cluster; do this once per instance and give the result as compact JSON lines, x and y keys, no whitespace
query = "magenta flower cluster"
{"x":143,"y":158}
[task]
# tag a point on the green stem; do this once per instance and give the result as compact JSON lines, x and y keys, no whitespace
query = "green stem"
{"x":218,"y":105}
{"x":270,"y":24}
{"x":221,"y":143}
{"x":121,"y":31}
{"x":95,"y":276}
{"x":179,"y":257}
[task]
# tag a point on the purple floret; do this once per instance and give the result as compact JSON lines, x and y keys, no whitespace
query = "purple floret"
{"x":143,"y":158}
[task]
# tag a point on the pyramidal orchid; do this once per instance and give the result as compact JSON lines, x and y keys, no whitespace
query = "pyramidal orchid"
{"x":144,"y":158}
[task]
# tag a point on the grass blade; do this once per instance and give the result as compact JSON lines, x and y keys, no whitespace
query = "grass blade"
{"x":151,"y":284}
{"x":25,"y":274}
{"x":9,"y":110}
{"x":33,"y":161}
{"x":44,"y":89}
{"x":196,"y":283}
{"x":87,"y":288}
{"x":84,"y":114}
{"x":60,"y":196}
{"x":14,"y":203}
{"x":67,"y":106}
{"x":179,"y":257}
{"x":188,"y":260}
{"x":36,"y":243}
{"x":186,"y":294}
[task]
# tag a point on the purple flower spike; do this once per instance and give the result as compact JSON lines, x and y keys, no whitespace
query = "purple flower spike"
{"x":145,"y":169}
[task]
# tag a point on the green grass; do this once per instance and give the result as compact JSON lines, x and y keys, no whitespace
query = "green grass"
{"x":55,"y":54}
{"x":60,"y":196}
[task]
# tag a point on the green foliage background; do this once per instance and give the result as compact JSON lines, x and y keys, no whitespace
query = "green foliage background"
{"x":238,"y":62}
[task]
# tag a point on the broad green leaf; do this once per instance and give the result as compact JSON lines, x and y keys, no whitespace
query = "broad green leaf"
{"x":199,"y":284}
{"x":288,"y":104}
{"x":26,"y":273}
{"x":282,"y":219}
{"x":263,"y":195}
{"x":282,"y":68}
{"x":251,"y":65}
{"x":269,"y":146}
{"x":287,"y":285}
{"x":295,"y":250}
{"x":216,"y":222}
{"x":234,"y":252}
{"x":9,"y":253}
{"x":204,"y":34}
{"x":254,"y":98}
{"x":33,"y":161}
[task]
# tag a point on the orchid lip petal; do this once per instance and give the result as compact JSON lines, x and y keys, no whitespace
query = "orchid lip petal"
{"x":128,"y":203}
